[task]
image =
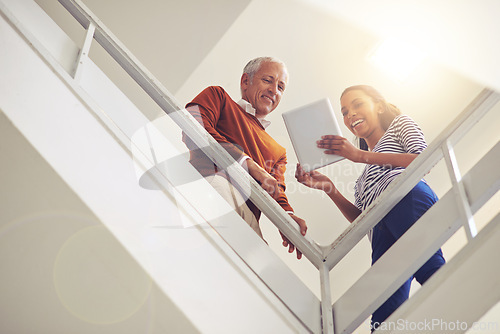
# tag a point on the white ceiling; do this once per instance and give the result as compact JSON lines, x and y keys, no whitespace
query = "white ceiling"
{"x":189,"y":45}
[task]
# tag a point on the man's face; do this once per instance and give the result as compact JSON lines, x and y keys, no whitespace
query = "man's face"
{"x":265,"y":89}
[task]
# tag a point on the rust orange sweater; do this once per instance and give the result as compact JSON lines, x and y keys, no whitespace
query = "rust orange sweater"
{"x":240,"y":134}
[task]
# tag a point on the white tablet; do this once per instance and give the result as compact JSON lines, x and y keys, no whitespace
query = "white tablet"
{"x":305,"y":126}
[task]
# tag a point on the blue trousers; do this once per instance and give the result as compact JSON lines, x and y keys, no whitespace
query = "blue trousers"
{"x":389,"y":230}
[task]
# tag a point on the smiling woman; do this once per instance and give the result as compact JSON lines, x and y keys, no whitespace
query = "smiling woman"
{"x":391,"y":142}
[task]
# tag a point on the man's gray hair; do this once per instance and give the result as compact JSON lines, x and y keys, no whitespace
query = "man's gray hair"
{"x":254,"y":65}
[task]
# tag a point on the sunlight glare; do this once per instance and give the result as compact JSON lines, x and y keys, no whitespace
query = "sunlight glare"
{"x":397,"y":58}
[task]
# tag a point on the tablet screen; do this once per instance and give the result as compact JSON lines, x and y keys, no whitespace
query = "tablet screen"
{"x":305,"y":126}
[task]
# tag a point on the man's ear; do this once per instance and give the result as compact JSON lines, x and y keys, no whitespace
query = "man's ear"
{"x":244,"y":81}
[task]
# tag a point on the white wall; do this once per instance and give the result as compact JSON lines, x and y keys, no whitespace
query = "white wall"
{"x":42,"y":225}
{"x":458,"y":34}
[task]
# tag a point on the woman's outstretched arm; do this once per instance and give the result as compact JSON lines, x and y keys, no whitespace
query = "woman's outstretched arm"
{"x":349,"y":210}
{"x":316,"y":180}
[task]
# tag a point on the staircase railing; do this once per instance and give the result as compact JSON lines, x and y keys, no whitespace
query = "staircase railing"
{"x":323,"y":258}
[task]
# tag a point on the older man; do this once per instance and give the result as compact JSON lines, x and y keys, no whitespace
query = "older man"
{"x":240,"y":128}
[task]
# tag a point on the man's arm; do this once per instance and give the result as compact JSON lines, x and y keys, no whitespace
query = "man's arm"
{"x":266,"y":180}
{"x":277,"y":191}
{"x":208,"y":118}
{"x":278,"y":173}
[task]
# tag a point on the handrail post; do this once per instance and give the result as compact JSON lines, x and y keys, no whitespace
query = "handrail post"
{"x":458,"y":188}
{"x":84,"y":52}
{"x":326,"y":300}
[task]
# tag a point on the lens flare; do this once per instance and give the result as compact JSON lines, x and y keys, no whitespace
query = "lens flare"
{"x":397,"y":58}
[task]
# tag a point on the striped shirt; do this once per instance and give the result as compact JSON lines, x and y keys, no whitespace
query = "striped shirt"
{"x":402,"y":136}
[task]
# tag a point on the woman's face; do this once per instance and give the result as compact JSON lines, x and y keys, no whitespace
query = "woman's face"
{"x":360,"y":114}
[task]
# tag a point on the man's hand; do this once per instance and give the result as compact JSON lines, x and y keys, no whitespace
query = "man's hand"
{"x":270,"y":184}
{"x":267,"y":182}
{"x":303,"y":230}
